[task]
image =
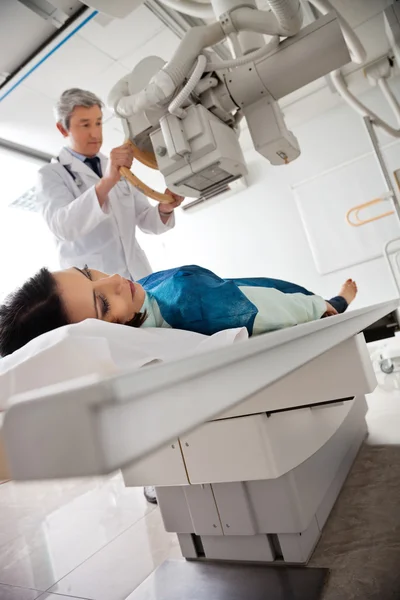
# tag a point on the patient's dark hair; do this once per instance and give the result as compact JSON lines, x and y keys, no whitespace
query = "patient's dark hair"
{"x":34,"y":309}
{"x":30,"y":311}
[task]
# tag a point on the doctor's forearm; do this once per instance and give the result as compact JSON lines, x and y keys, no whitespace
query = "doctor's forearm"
{"x":103,"y":188}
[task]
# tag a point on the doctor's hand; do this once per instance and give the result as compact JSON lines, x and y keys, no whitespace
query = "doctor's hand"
{"x":167,"y":209}
{"x":119,"y":157}
{"x":122,"y":156}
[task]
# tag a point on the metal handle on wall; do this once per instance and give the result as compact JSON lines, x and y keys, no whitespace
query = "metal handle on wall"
{"x":359,"y":207}
{"x":387,"y":254}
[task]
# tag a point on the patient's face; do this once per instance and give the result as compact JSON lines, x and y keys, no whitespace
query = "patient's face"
{"x":90,"y":294}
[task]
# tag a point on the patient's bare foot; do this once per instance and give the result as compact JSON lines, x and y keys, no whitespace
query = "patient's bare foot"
{"x":348,"y":291}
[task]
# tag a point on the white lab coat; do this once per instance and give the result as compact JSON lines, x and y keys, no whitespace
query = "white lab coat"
{"x":102,"y":238}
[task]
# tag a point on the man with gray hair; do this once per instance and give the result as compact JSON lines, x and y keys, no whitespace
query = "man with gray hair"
{"x":91,"y":211}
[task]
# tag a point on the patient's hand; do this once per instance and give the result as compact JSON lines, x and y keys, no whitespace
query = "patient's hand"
{"x":330,"y":311}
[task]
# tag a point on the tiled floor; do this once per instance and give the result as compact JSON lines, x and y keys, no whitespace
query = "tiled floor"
{"x":92,"y":539}
{"x":96,"y":539}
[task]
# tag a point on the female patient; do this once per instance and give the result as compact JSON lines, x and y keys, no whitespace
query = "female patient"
{"x":190,"y":298}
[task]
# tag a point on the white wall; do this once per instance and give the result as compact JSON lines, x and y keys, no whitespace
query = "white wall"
{"x":258,"y":232}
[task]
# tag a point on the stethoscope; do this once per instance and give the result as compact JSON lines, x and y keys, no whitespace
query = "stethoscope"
{"x":79,"y":183}
{"x":77,"y":180}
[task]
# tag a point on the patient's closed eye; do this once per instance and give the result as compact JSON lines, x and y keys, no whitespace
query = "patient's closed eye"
{"x":105,"y":305}
{"x":86,"y":271}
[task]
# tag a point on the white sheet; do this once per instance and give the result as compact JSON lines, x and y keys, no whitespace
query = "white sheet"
{"x":96,"y":347}
{"x":112,"y":423}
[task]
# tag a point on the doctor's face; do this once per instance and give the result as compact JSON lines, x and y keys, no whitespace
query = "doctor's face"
{"x":90,"y":294}
{"x":85,"y":132}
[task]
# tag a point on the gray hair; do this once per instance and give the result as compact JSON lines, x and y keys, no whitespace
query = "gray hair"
{"x":69,"y":100}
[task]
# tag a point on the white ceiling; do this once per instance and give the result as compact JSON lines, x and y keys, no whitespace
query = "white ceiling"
{"x":99,"y":55}
{"x":94,"y":59}
{"x":123,"y":36}
{"x":22,"y":30}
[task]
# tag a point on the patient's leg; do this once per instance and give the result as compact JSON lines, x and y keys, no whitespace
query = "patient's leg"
{"x":347,"y":293}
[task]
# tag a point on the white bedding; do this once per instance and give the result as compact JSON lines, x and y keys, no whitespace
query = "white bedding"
{"x":97,"y":347}
{"x":117,"y":421}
